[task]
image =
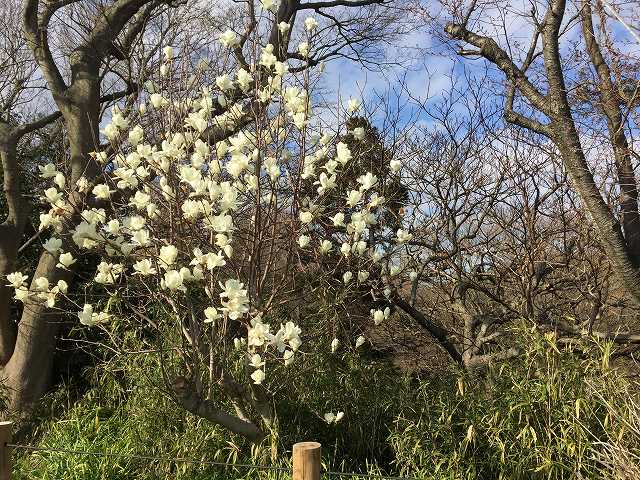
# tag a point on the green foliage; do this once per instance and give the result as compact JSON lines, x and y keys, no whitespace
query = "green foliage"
{"x":125,"y":412}
{"x":119,"y":416}
{"x":551,"y":413}
{"x":548,"y":414}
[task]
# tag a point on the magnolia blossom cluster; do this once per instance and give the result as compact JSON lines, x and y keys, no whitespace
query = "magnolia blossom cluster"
{"x":42,"y":290}
{"x":286,"y":341}
{"x":154,"y":193}
{"x":165,"y":211}
{"x":351,"y":218}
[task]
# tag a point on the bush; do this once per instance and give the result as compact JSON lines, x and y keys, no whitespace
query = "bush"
{"x":550,"y":413}
{"x":125,"y":412}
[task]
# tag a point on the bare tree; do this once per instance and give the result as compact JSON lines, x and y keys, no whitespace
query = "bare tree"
{"x":541,"y":83}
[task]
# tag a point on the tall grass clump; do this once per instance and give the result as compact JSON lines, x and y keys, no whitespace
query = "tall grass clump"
{"x":550,"y":413}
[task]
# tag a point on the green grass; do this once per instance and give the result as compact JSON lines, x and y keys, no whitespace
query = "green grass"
{"x":550,"y":414}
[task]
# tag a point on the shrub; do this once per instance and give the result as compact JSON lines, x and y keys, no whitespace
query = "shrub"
{"x":550,"y":413}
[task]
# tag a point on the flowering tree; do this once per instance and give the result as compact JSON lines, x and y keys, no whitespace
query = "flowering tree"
{"x":102,"y":63}
{"x":204,"y":207}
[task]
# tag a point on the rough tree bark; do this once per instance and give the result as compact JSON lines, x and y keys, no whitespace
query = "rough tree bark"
{"x":28,"y":364}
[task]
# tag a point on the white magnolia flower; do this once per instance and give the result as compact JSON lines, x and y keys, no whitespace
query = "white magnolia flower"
{"x":21,"y":294}
{"x":222,"y":223}
{"x":108,"y":272}
{"x":395,"y":270}
{"x":168,"y":254}
{"x":60,"y":180}
{"x":101,"y":191}
{"x":86,"y":315}
{"x":283,"y":27}
{"x":41,"y":284}
{"x":354,"y":197}
{"x":380,"y":315}
{"x":354,"y":105}
{"x":403,"y":236}
{"x":395,"y":165}
{"x":375,"y":201}
{"x":110,"y":131}
{"x":53,"y":245}
{"x":270,"y":5}
{"x":173,"y":280}
{"x":258,"y":376}
{"x":168,"y":53}
{"x":136,"y":134}
{"x":331,"y":417}
{"x":244,"y":79}
{"x":141,"y":237}
{"x":16,"y":279}
{"x":256,"y":361}
{"x":334,"y":345}
{"x":258,"y":333}
{"x":362,"y":276}
{"x":140,"y":200}
{"x":229,"y":39}
{"x":358,"y":133}
{"x":288,"y":357}
{"x":62,"y":286}
{"x":306,"y":217}
{"x":310,"y":23}
{"x":338,"y":219}
{"x":326,"y":183}
{"x":413,"y":275}
{"x":303,"y":49}
{"x":345,"y":249}
{"x":343,"y":154}
{"x":211,"y":315}
{"x":360,"y":341}
{"x":65,"y":260}
{"x":346,"y":277}
{"x":158,"y":101}
{"x":144,"y":267}
{"x":113,"y":226}
{"x":83,"y":184}
{"x":367,"y":181}
{"x":325,"y":247}
{"x":267,"y":58}
{"x":53,"y":196}
{"x":303,"y":241}
{"x":236,"y":300}
{"x":215,"y":260}
{"x":224,"y":83}
{"x":48,"y":171}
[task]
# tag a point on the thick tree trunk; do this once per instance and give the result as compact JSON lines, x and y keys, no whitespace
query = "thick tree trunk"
{"x":28,"y":372}
{"x":10,"y":234}
{"x":629,"y":215}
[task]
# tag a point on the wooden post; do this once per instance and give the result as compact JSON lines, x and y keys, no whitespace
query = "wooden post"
{"x":306,"y":461}
{"x":6,"y":430}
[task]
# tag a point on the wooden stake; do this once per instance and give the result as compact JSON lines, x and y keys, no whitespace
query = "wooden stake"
{"x":6,"y":430}
{"x":306,"y":461}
